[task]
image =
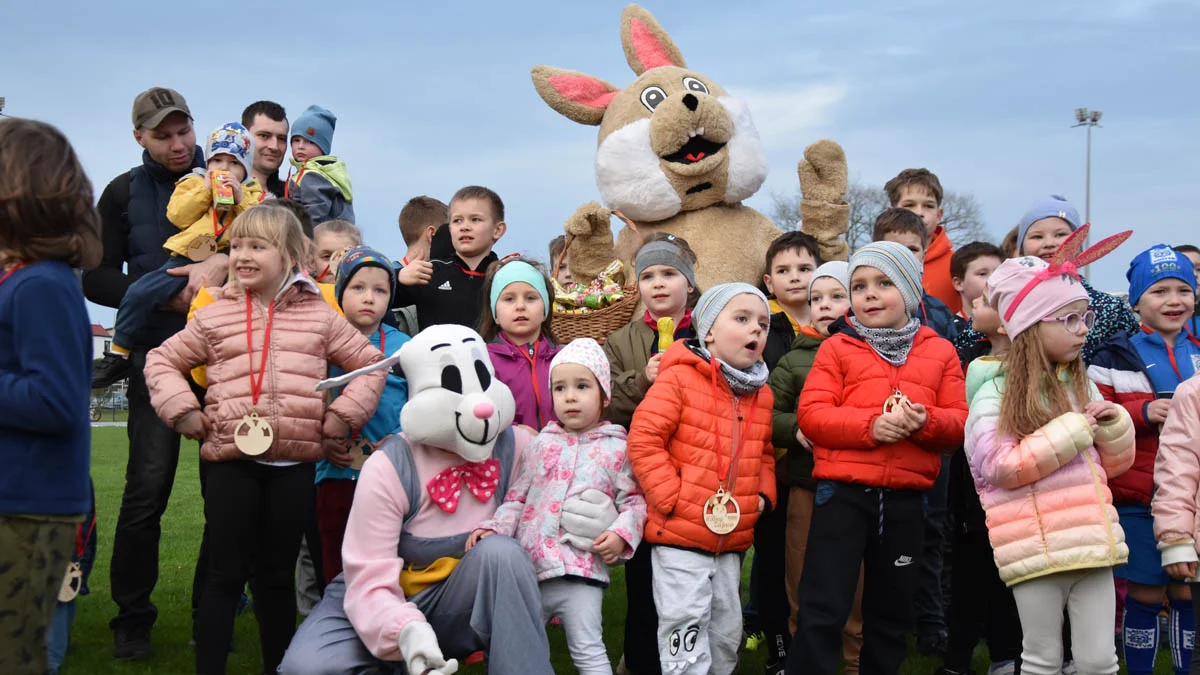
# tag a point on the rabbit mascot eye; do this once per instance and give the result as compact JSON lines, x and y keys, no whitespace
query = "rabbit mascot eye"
{"x":677,"y":154}
{"x":410,"y":591}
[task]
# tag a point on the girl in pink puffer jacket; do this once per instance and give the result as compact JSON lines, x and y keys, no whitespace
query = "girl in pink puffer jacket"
{"x":1042,"y":443}
{"x":266,"y":342}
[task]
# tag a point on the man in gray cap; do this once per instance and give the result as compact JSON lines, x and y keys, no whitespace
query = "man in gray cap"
{"x":133,"y":210}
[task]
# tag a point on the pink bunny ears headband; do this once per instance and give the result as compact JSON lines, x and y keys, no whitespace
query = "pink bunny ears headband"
{"x":1068,"y":260}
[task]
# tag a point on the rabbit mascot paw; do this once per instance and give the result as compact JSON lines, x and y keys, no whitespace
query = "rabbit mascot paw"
{"x":409,"y":593}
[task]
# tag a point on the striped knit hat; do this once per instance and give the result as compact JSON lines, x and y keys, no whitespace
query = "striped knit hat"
{"x":714,"y":300}
{"x":898,"y":263}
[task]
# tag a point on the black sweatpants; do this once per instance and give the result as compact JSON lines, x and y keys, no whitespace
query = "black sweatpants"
{"x":255,"y":515}
{"x":884,"y":531}
{"x":768,"y":588}
{"x":641,"y":616}
{"x":980,"y":606}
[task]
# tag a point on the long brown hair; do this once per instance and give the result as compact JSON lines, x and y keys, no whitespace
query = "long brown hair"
{"x":46,"y":210}
{"x":1033,"y":392}
{"x":488,"y":327}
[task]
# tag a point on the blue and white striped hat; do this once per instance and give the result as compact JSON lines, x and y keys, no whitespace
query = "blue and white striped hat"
{"x":898,"y":263}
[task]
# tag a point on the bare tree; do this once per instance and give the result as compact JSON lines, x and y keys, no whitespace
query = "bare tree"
{"x":961,"y":216}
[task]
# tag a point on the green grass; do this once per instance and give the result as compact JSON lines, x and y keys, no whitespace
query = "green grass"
{"x":91,"y":639}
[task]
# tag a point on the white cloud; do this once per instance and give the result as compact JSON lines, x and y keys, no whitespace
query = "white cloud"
{"x":786,"y":115}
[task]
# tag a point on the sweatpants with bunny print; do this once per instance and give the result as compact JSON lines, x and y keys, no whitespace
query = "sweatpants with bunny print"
{"x":699,"y":610}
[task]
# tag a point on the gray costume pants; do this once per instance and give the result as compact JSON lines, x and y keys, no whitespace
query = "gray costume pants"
{"x":490,"y":602}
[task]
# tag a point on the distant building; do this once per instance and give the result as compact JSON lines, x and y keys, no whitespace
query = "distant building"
{"x":101,"y":340}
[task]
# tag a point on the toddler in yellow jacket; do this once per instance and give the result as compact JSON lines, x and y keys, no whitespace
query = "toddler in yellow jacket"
{"x":202,"y":222}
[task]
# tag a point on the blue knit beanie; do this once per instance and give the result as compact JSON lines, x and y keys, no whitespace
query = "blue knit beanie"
{"x":898,"y":264}
{"x":1155,"y":264}
{"x":714,"y":300}
{"x":316,"y":124}
{"x":1053,"y":206}
{"x":356,"y":259}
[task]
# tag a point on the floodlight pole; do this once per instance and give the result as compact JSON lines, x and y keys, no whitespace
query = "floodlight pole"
{"x":1088,"y":119}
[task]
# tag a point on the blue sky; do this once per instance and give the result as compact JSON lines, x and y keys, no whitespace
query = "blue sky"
{"x":434,"y":96}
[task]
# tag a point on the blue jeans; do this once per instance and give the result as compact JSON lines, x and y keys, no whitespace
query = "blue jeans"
{"x":58,"y":637}
{"x":143,"y":298}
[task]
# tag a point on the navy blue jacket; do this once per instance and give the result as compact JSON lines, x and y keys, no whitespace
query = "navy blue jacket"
{"x":45,"y":392}
{"x":134,"y":227}
{"x":935,"y":314}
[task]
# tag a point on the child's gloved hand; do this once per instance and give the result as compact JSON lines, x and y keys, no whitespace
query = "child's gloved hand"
{"x":419,"y":647}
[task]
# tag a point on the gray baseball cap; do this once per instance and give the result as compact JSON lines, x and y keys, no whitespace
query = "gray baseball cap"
{"x":152,"y":106}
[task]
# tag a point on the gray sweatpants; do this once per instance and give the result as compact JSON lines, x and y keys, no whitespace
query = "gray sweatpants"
{"x":1090,"y":601}
{"x":578,"y":604}
{"x":490,"y":602}
{"x":699,"y":610}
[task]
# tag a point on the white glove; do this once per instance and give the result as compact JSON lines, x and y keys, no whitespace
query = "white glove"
{"x":419,"y":648}
{"x":586,"y":517}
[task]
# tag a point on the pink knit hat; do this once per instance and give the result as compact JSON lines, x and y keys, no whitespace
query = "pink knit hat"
{"x":1027,"y":290}
{"x":589,"y":354}
{"x":1049,"y":295}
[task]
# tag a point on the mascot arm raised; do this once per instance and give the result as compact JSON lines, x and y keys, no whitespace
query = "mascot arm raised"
{"x":592,"y":247}
{"x":824,"y":213}
{"x":375,"y":603}
{"x":349,"y":350}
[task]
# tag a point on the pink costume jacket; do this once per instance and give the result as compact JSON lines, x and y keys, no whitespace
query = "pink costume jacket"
{"x":558,"y":465}
{"x":1046,"y":496}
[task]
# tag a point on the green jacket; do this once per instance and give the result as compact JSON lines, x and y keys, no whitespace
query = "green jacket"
{"x":786,"y":382}
{"x":628,"y":352}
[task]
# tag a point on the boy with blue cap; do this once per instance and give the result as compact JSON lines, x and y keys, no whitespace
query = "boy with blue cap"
{"x":1140,"y":373}
{"x":322,"y":184}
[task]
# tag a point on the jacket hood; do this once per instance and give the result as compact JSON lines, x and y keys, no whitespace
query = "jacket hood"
{"x":604,"y":430}
{"x":332,"y":168}
{"x":980,"y":372}
{"x":805,"y":341}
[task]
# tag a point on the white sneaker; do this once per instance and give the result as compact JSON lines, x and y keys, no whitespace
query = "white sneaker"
{"x":1069,"y":668}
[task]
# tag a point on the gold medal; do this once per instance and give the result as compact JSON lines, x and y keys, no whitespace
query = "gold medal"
{"x":253,"y":435}
{"x":358,"y":448}
{"x":201,"y":248}
{"x":895,"y":401}
{"x":71,"y":583}
{"x":721,"y":513}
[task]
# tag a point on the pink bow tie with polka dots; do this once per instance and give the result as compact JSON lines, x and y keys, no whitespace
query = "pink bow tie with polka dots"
{"x":481,"y":478}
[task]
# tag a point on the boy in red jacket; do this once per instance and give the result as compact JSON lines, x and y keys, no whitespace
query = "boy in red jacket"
{"x":885,"y":398}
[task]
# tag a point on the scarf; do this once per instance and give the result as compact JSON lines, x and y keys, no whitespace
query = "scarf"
{"x":742,"y":382}
{"x":893,"y":344}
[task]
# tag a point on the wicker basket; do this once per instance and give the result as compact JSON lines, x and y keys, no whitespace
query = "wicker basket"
{"x":597,"y":324}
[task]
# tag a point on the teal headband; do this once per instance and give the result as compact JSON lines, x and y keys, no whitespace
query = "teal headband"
{"x":516,"y":271}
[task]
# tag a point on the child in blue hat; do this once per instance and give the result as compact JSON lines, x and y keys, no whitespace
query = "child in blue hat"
{"x":322,"y":183}
{"x":1140,"y":372}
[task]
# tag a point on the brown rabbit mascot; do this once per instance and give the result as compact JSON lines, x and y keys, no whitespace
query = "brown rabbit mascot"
{"x":678,"y":154}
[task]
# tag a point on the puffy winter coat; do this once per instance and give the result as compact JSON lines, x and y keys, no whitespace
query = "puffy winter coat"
{"x":1176,"y":505}
{"x":681,"y":442}
{"x":528,"y":377}
{"x":191,"y":210}
{"x":1047,"y":500}
{"x":844,"y":395}
{"x":786,"y":382}
{"x":306,"y":334}
{"x":558,"y":465}
{"x":1120,"y":376}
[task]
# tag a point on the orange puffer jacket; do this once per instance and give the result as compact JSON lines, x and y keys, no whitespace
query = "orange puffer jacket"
{"x":845,"y":392}
{"x":306,"y":334}
{"x":680,"y":444}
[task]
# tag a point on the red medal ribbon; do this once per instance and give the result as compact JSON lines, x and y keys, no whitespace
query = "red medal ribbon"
{"x":218,"y":227}
{"x":256,"y":387}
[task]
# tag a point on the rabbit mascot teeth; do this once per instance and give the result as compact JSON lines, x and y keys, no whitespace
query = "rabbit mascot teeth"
{"x":409,"y":592}
{"x":678,"y":154}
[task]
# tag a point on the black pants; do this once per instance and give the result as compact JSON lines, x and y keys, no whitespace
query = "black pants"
{"x":149,"y":475}
{"x":256,"y":515}
{"x":929,"y":604}
{"x":981,"y":605}
{"x":883,"y":530}
{"x":768,"y":590}
{"x":641,"y":616}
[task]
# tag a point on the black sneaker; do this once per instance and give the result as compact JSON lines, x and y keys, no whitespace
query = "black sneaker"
{"x":111,"y":370}
{"x":776,"y":667}
{"x":131,"y":645}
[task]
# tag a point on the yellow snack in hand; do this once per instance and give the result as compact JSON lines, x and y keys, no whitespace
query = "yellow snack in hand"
{"x":666,"y":333}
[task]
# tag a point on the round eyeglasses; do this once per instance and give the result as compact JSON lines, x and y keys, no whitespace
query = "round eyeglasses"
{"x":1074,"y":321}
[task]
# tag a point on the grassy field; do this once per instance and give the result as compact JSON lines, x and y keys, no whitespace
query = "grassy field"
{"x":91,"y":640}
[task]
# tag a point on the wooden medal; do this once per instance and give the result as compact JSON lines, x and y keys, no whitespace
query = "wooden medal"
{"x":721,"y":513}
{"x":71,"y":583}
{"x":894,"y":401}
{"x":202,"y":248}
{"x":253,"y":435}
{"x":359,"y":448}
